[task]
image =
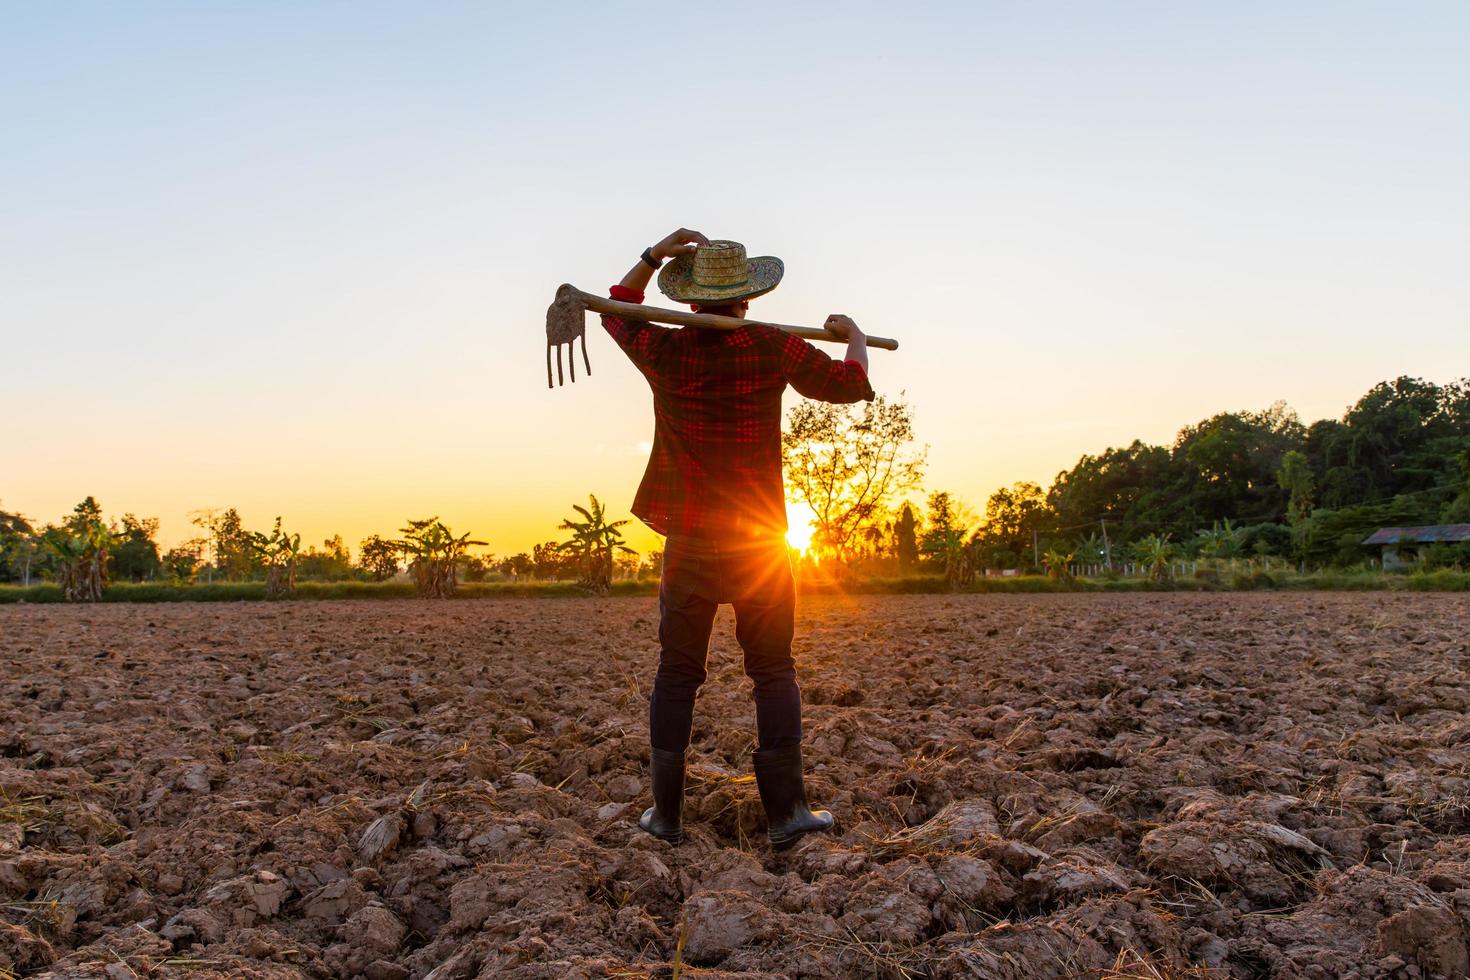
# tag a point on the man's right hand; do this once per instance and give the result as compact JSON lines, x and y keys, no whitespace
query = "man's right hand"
{"x":842,"y":327}
{"x":681,"y":242}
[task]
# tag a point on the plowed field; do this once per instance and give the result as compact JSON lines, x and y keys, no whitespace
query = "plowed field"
{"x":1247,"y":785}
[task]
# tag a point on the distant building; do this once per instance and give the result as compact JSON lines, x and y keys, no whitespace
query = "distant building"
{"x":1392,"y":537}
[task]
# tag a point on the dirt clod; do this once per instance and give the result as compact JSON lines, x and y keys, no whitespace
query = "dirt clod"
{"x":1431,"y":937}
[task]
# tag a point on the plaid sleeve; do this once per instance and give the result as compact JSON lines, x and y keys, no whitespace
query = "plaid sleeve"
{"x":815,"y":375}
{"x":639,"y":339}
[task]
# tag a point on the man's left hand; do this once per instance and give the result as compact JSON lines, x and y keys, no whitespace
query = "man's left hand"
{"x":681,"y":242}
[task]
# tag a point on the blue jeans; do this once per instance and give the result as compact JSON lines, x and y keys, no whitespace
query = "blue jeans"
{"x":755,"y":577}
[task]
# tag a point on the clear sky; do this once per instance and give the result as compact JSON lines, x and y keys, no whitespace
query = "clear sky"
{"x":295,"y":257}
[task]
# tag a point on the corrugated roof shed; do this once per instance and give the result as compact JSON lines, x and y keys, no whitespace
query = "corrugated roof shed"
{"x":1419,"y":535}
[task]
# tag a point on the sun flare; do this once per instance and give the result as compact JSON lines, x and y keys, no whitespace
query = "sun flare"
{"x":801,"y":525}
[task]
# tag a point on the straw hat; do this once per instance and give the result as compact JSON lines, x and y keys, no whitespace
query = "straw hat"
{"x":719,"y":273}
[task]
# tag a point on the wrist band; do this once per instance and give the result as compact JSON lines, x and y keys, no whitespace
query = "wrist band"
{"x":647,"y":256}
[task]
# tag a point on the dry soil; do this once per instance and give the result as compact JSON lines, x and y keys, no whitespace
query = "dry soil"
{"x":1248,"y":785}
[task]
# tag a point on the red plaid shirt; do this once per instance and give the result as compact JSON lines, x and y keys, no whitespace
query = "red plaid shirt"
{"x":715,"y":469}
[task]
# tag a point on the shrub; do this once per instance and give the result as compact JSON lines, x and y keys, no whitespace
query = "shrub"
{"x":1249,"y":581}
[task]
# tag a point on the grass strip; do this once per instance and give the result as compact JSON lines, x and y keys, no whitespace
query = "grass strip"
{"x":1440,"y":580}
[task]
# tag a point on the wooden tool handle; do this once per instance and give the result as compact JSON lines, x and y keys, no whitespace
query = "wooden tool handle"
{"x":658,"y":314}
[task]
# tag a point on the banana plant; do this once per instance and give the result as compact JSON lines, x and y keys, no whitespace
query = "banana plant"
{"x":595,"y":542}
{"x":81,"y":559}
{"x":1091,"y":548}
{"x":434,"y":553}
{"x":1219,"y":541}
{"x":961,"y":558}
{"x":1155,"y":551}
{"x":278,"y":552}
{"x":1058,"y":564}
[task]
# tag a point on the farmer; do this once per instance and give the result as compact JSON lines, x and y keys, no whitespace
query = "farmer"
{"x":713,"y":488}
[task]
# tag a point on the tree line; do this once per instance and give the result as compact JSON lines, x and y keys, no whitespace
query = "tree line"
{"x":1238,"y":484}
{"x":84,"y":552}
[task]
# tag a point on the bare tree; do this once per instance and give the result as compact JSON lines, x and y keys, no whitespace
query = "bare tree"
{"x":847,"y":463}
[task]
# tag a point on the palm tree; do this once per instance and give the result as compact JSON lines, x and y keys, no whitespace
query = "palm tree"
{"x":594,"y":542}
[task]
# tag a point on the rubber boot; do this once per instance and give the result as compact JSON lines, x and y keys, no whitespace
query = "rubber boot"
{"x":665,"y":819}
{"x":783,"y":793}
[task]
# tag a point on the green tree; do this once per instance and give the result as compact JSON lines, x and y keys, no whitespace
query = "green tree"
{"x":1222,"y":467}
{"x":905,"y":540}
{"x":1231,"y":461}
{"x":378,"y":557}
{"x":518,"y":565}
{"x":943,"y":525}
{"x":548,"y":561}
{"x":1457,"y":511}
{"x":1401,"y":437}
{"x":946,"y":539}
{"x":477,"y":568}
{"x":84,"y":516}
{"x":1267,"y":538}
{"x":1334,"y":537}
{"x":182,"y":561}
{"x":1295,"y":477}
{"x":1276,"y":479}
{"x":135,"y":551}
{"x":232,"y":553}
{"x":1014,"y":519}
{"x":18,"y":547}
{"x":1127,"y":486}
{"x":330,"y":563}
{"x":847,"y":463}
{"x":628,"y":566}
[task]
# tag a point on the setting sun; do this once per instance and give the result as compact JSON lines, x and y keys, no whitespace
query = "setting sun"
{"x":801,"y":525}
